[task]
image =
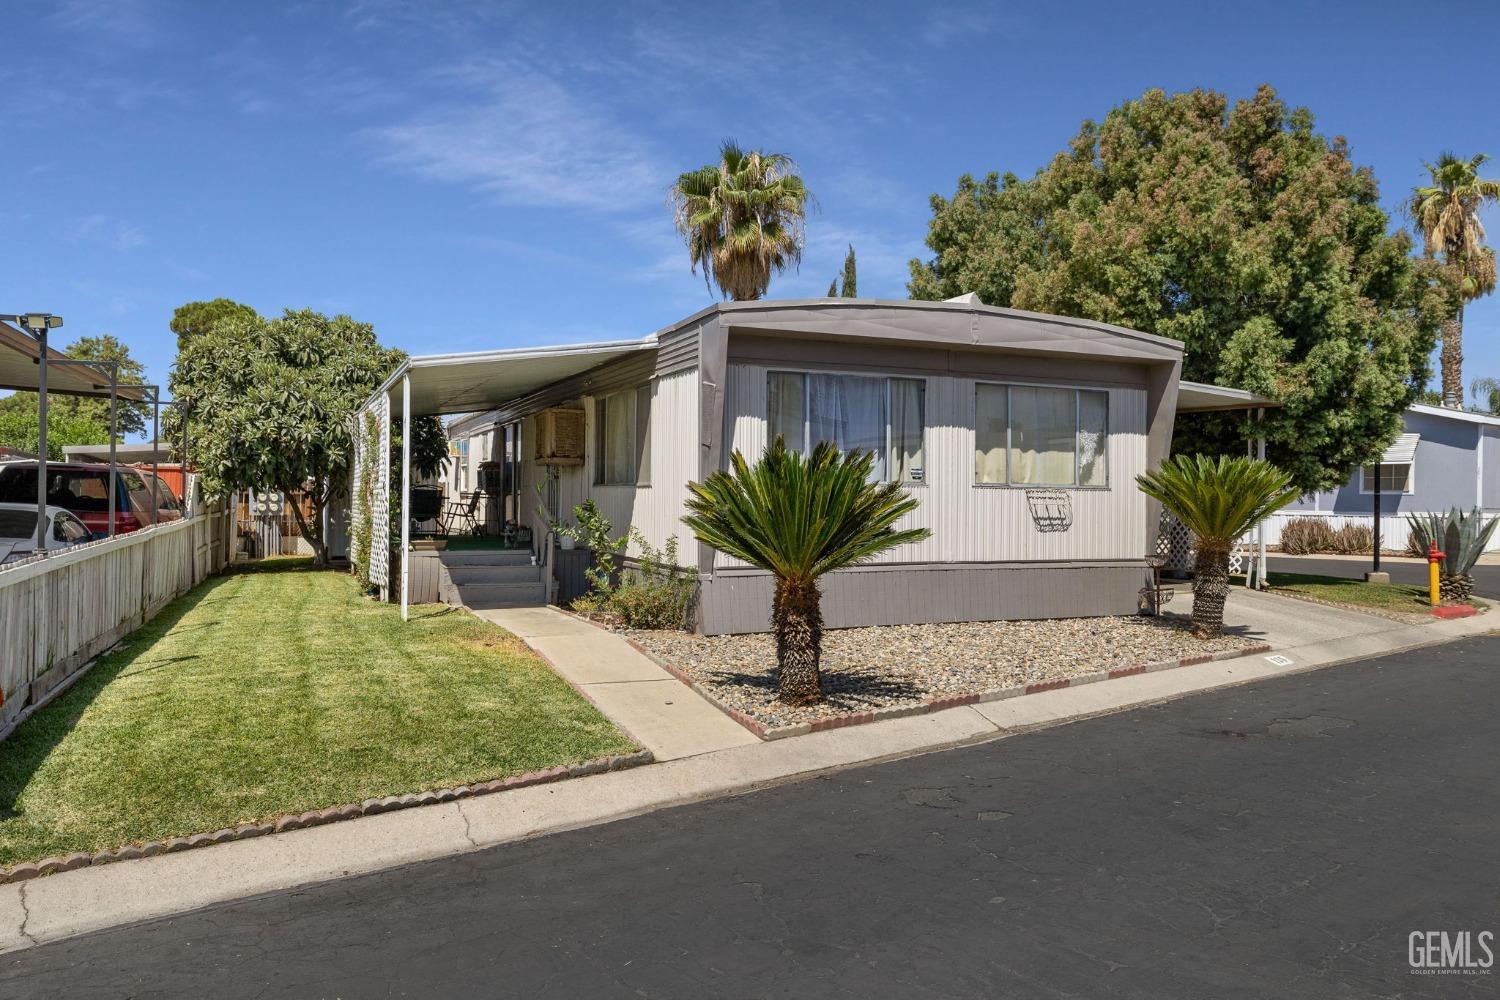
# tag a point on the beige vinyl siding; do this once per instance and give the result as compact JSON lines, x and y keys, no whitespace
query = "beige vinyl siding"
{"x":972,"y":523}
{"x":655,"y":510}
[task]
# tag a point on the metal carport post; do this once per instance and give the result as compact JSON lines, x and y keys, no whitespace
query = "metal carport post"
{"x":405,"y":492}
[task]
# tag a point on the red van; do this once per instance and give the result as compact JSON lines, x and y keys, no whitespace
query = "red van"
{"x":83,"y":489}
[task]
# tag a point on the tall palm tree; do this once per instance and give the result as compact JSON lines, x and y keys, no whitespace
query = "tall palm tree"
{"x":1446,"y":213}
{"x":742,"y":219}
{"x":1219,"y":501}
{"x":800,"y":517}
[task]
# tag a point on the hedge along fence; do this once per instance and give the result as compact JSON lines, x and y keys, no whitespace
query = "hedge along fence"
{"x":58,"y":613}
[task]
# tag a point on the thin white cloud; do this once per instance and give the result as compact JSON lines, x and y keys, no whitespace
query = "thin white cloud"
{"x":527,"y":141}
{"x":104,"y":231}
{"x":947,"y":25}
{"x":120,"y":22}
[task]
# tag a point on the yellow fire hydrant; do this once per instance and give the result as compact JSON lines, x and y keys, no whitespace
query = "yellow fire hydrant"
{"x":1433,"y":558}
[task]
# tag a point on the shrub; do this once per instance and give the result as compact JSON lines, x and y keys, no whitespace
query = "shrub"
{"x":1353,"y":540}
{"x":654,"y":593}
{"x":1302,"y":536}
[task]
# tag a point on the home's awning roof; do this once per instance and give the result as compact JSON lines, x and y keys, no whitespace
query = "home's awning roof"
{"x":19,"y":370}
{"x":1200,"y":397}
{"x":1403,"y":452}
{"x":484,"y":380}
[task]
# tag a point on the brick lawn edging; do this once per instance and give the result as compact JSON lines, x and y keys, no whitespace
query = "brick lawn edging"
{"x":938,"y":704}
{"x":318,"y":817}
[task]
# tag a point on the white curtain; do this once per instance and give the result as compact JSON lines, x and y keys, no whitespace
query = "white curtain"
{"x":907,"y":398}
{"x":619,"y":438}
{"x":989,"y":434}
{"x":848,"y":411}
{"x":784,"y":410}
{"x":1043,"y":434}
{"x":1093,"y":439}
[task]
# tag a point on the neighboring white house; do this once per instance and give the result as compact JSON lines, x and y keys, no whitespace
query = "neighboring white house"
{"x":1021,"y":433}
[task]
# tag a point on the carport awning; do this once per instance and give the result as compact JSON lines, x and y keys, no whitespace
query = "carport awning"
{"x":469,"y":383}
{"x":1200,"y":397}
{"x":19,"y":370}
{"x":1403,"y":452}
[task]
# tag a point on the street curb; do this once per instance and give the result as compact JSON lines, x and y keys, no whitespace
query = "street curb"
{"x":319,"y":817}
{"x":938,"y":704}
{"x":1449,"y":612}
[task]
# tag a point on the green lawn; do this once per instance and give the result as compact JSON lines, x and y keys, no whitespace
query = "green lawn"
{"x":277,"y":690}
{"x":1356,"y":593}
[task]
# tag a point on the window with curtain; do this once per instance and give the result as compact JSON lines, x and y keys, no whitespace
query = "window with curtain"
{"x":880,"y":415}
{"x":991,"y":417}
{"x":623,"y":436}
{"x":1040,"y":436}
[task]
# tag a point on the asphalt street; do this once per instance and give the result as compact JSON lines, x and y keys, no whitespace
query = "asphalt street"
{"x":1279,"y":839}
{"x":1486,"y":575}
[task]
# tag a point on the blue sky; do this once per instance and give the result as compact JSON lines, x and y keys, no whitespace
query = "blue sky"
{"x":477,"y":175}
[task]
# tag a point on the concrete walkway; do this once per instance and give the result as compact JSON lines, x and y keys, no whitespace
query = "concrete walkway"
{"x":660,"y":712}
{"x":59,"y":906}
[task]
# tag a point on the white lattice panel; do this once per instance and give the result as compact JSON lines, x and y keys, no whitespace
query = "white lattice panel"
{"x":380,"y":500}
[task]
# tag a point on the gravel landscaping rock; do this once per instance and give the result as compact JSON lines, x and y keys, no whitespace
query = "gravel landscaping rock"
{"x":899,"y":665}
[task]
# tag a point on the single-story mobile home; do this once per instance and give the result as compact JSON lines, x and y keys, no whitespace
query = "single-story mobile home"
{"x":1021,"y":434}
{"x":1444,"y":458}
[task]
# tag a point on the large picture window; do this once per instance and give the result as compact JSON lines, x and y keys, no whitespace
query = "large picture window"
{"x":1040,"y":436}
{"x":880,"y":415}
{"x":623,"y":439}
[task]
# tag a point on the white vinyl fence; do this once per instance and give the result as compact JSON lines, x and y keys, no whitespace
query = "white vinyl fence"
{"x":1394,"y":528}
{"x":58,"y":613}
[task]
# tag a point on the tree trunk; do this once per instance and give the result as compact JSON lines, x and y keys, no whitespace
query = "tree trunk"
{"x":797,"y":621}
{"x":1451,"y":360}
{"x":1210,"y":588}
{"x":313,"y":533}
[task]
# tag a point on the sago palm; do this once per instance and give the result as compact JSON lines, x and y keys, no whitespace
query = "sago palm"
{"x":1219,"y":500}
{"x":1446,"y":213}
{"x":800,"y":517}
{"x":742,"y":219}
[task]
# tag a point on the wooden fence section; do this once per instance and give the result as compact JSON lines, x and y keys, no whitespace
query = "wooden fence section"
{"x":58,"y":613}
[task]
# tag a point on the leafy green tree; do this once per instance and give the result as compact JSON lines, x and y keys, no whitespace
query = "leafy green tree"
{"x":1239,"y":231}
{"x":1446,"y":213}
{"x":1219,"y":500}
{"x":833,"y":289}
{"x":271,"y":405}
{"x":742,"y":219}
{"x":850,"y":288}
{"x":79,"y":419}
{"x":19,"y":421}
{"x":800,"y":517}
{"x":196,"y":318}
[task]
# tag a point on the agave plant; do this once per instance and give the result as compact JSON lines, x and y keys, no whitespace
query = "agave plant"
{"x":1218,"y":500}
{"x":1461,"y":537}
{"x":800,"y":517}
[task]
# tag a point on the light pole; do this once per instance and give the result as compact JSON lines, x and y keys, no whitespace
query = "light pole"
{"x":37,"y":324}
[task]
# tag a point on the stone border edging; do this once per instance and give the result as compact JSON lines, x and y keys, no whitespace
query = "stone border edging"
{"x":765,"y":732}
{"x":318,"y":817}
